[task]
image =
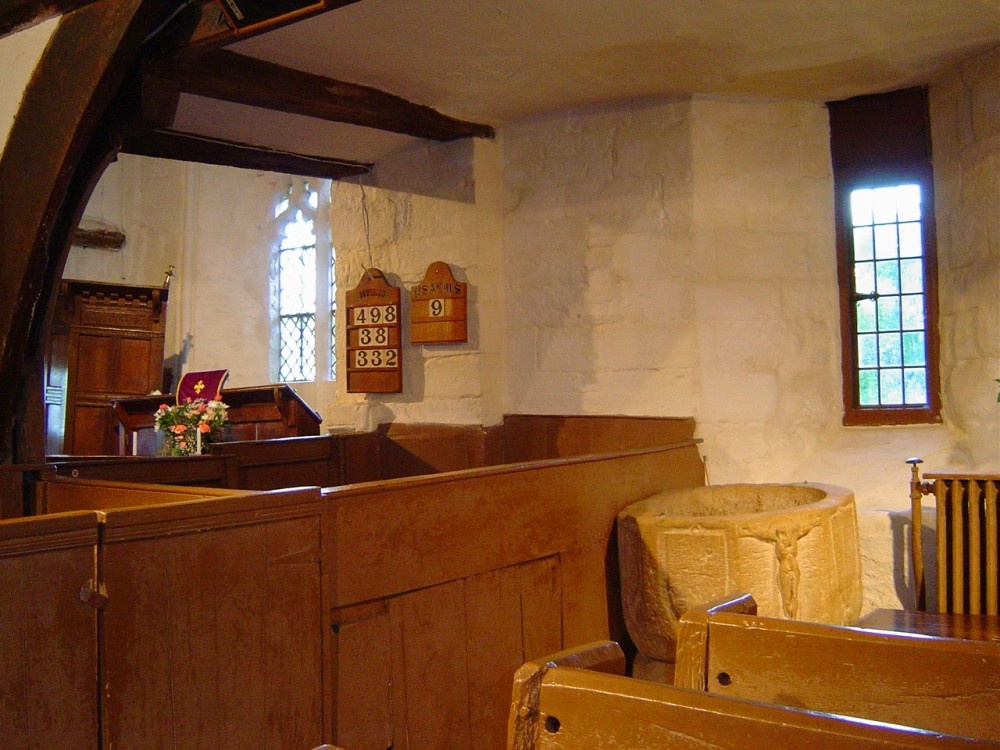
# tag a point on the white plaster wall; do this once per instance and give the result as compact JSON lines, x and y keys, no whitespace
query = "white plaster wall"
{"x":211,"y":224}
{"x":19,"y":54}
{"x":225,"y":272}
{"x":437,"y":202}
{"x":598,"y":247}
{"x":765,"y":304}
{"x":676,"y":258}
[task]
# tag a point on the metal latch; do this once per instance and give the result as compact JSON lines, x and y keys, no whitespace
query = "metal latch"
{"x":95,"y":596}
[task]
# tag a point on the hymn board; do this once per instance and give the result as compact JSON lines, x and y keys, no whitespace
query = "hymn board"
{"x":438,"y":315}
{"x":374,"y":361}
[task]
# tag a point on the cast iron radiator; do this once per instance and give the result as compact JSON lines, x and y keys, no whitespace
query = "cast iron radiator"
{"x":966,"y":540}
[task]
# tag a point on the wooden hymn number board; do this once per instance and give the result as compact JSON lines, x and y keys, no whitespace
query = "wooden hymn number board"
{"x":374,"y":361}
{"x":438,"y":307}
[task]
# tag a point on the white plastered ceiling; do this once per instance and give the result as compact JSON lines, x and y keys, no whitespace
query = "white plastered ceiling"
{"x":495,"y":62}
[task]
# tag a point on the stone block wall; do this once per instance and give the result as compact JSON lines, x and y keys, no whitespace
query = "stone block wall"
{"x":965,"y":116}
{"x":676,"y":258}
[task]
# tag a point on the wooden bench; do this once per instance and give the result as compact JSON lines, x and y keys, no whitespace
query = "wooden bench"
{"x":940,"y":684}
{"x":579,"y":699}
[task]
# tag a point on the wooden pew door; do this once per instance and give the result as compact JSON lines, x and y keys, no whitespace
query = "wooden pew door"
{"x":48,"y":636}
{"x":211,"y":635}
{"x":465,"y":637}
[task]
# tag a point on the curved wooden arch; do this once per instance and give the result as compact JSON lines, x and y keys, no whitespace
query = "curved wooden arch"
{"x":52,"y":158}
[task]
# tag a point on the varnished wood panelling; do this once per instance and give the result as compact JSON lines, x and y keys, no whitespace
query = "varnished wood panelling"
{"x":529,"y":437}
{"x":434,"y":632}
{"x":48,"y":638}
{"x":285,"y":462}
{"x":364,"y":679}
{"x":432,"y":668}
{"x":409,"y":450}
{"x":486,"y":519}
{"x":201,"y":471}
{"x":494,"y":644}
{"x":221,"y":604}
{"x":59,"y":495}
{"x":14,"y":483}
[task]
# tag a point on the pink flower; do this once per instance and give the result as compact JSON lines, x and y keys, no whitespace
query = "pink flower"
{"x":177,"y":429}
{"x":204,"y":427}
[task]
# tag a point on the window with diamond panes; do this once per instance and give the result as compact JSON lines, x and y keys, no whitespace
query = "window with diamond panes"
{"x":304,"y":327}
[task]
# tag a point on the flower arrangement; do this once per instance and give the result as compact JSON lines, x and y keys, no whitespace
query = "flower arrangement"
{"x":191,"y":425}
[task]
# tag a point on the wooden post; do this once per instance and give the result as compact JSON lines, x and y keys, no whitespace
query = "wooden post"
{"x":43,"y":188}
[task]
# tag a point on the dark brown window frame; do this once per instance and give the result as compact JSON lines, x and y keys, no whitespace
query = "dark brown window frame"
{"x":868,"y":152}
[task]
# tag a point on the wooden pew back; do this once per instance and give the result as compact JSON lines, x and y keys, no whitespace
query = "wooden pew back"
{"x":444,"y":584}
{"x":577,"y":700}
{"x":940,"y":684}
{"x":198,"y":623}
{"x":48,"y":636}
{"x":62,"y":495}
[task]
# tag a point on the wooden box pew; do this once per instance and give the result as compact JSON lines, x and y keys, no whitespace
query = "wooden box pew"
{"x":578,"y":700}
{"x":184,"y":622}
{"x":940,"y":684}
{"x":444,"y":584}
{"x":530,"y":437}
{"x":314,"y":460}
{"x":347,"y":457}
{"x":213,"y":635}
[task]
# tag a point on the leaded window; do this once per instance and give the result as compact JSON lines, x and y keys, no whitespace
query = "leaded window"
{"x":889,"y":300}
{"x":303,"y":284}
{"x":887,"y":263}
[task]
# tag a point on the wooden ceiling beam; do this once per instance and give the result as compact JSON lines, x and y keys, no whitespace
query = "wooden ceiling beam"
{"x":220,"y":74}
{"x":171,"y":144}
{"x":20,"y":14}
